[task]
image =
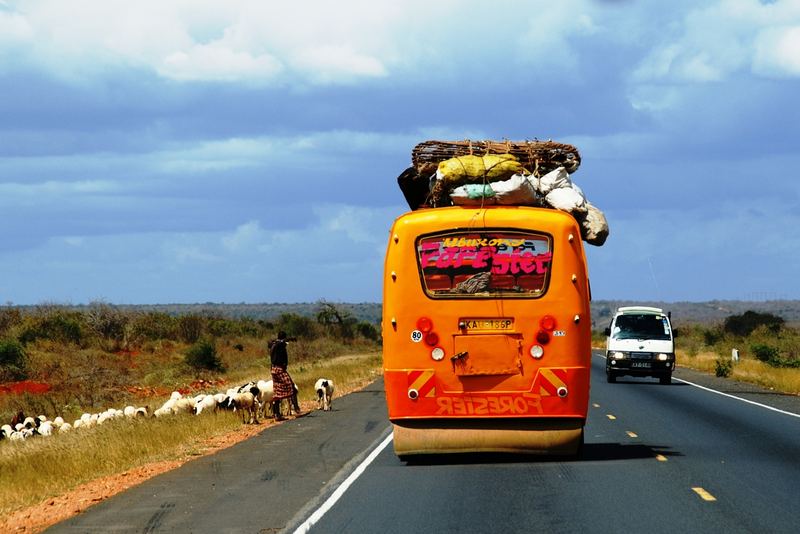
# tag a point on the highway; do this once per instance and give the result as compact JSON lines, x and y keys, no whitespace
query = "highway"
{"x":657,"y":459}
{"x":673,"y":458}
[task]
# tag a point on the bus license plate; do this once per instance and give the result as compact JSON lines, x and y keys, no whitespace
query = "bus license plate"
{"x":640,"y":364}
{"x":487,"y":324}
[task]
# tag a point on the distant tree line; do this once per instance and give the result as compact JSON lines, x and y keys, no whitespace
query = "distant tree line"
{"x":115,"y":328}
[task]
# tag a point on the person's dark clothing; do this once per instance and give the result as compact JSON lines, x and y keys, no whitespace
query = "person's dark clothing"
{"x":283,"y":385}
{"x":278,"y":355}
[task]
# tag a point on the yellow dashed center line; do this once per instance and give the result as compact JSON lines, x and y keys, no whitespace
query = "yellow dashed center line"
{"x":610,"y":416}
{"x":631,"y":434}
{"x":661,"y":458}
{"x":706,"y":496}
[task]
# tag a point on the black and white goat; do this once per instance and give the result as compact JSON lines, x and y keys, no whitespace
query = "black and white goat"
{"x":324,"y":389}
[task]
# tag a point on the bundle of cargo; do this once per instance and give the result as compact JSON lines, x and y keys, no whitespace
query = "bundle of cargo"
{"x":542,"y":155}
{"x":528,"y":173}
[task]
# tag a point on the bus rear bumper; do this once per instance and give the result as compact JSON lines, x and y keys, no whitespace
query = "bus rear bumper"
{"x":520,"y":436}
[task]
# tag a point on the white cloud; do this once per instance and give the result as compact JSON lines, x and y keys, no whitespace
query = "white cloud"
{"x":245,"y":235}
{"x":315,"y":149}
{"x":778,"y":52}
{"x":14,"y":29}
{"x":717,"y":40}
{"x":216,"y":62}
{"x":313,"y":42}
{"x":331,"y":63}
{"x":13,"y":192}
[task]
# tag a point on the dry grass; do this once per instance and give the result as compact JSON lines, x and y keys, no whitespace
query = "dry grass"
{"x":746,"y":370}
{"x":40,"y":469}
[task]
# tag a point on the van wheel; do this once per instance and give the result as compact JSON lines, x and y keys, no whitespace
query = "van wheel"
{"x":665,"y":380}
{"x":611,"y":377}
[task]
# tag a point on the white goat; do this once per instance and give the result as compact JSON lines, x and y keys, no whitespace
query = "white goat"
{"x":247,"y":402}
{"x":324,"y":389}
{"x":204,"y":402}
{"x":266,"y":392}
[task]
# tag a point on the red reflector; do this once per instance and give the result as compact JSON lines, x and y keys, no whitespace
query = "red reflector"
{"x":432,"y":339}
{"x":548,"y":322}
{"x":424,"y":324}
{"x":543,"y":337}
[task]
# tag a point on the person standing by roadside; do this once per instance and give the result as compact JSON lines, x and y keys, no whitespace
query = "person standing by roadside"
{"x":281,"y":380}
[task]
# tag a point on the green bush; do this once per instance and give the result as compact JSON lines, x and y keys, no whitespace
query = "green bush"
{"x":712,"y":336}
{"x":9,"y":317}
{"x":153,"y":326}
{"x":765,"y":353}
{"x":190,"y":327}
{"x":13,"y":360}
{"x":744,"y":324}
{"x":203,"y":355}
{"x":772,"y":356}
{"x":723,"y":367}
{"x":368,"y":330}
{"x":58,"y":325}
{"x":297,"y":326}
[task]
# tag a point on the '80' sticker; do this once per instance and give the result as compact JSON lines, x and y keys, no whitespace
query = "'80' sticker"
{"x":416,"y":336}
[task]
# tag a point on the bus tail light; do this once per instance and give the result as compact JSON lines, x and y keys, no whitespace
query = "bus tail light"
{"x":543,"y":337}
{"x":431,"y":339}
{"x":424,"y":324}
{"x":562,"y":392}
{"x":537,"y":351}
{"x":548,"y":323}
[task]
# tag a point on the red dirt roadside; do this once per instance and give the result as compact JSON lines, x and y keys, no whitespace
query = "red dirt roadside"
{"x":39,"y":517}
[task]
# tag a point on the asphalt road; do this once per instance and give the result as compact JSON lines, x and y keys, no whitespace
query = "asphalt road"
{"x":255,"y":486}
{"x":653,"y":456}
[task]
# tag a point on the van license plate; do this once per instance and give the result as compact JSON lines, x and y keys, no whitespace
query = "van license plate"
{"x":487,"y":324}
{"x":640,"y":364}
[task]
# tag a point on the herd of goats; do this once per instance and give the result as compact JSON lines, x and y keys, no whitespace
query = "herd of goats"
{"x":252,"y":400}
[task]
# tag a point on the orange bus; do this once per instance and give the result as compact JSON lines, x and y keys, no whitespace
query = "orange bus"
{"x":486,"y":331}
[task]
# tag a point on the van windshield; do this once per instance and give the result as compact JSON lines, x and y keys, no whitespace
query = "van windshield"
{"x":485,"y":263}
{"x":645,"y":326}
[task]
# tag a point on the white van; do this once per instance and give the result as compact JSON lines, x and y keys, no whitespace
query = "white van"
{"x":640,"y":343}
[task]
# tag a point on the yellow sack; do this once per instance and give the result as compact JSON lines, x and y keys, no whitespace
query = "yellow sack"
{"x":472,"y":169}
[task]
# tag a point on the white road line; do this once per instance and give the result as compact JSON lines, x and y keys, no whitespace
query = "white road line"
{"x":336,"y":495}
{"x":754,"y":403}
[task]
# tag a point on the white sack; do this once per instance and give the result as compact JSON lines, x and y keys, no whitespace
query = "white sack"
{"x":517,"y":190}
{"x":594,"y":227}
{"x":569,"y":199}
{"x":555,"y":179}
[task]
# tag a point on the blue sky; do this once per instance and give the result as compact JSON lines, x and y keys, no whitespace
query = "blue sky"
{"x":247,"y":151}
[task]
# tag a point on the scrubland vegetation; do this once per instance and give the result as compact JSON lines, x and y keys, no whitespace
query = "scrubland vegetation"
{"x":62,"y":362}
{"x":768,"y":350}
{"x":105,"y":356}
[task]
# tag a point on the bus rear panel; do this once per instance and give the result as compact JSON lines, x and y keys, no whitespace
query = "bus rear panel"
{"x":486,"y":331}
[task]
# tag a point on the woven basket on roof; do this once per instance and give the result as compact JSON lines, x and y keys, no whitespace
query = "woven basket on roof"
{"x":538,"y":157}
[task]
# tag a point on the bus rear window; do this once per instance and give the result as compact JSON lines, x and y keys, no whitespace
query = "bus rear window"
{"x":485,"y":263}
